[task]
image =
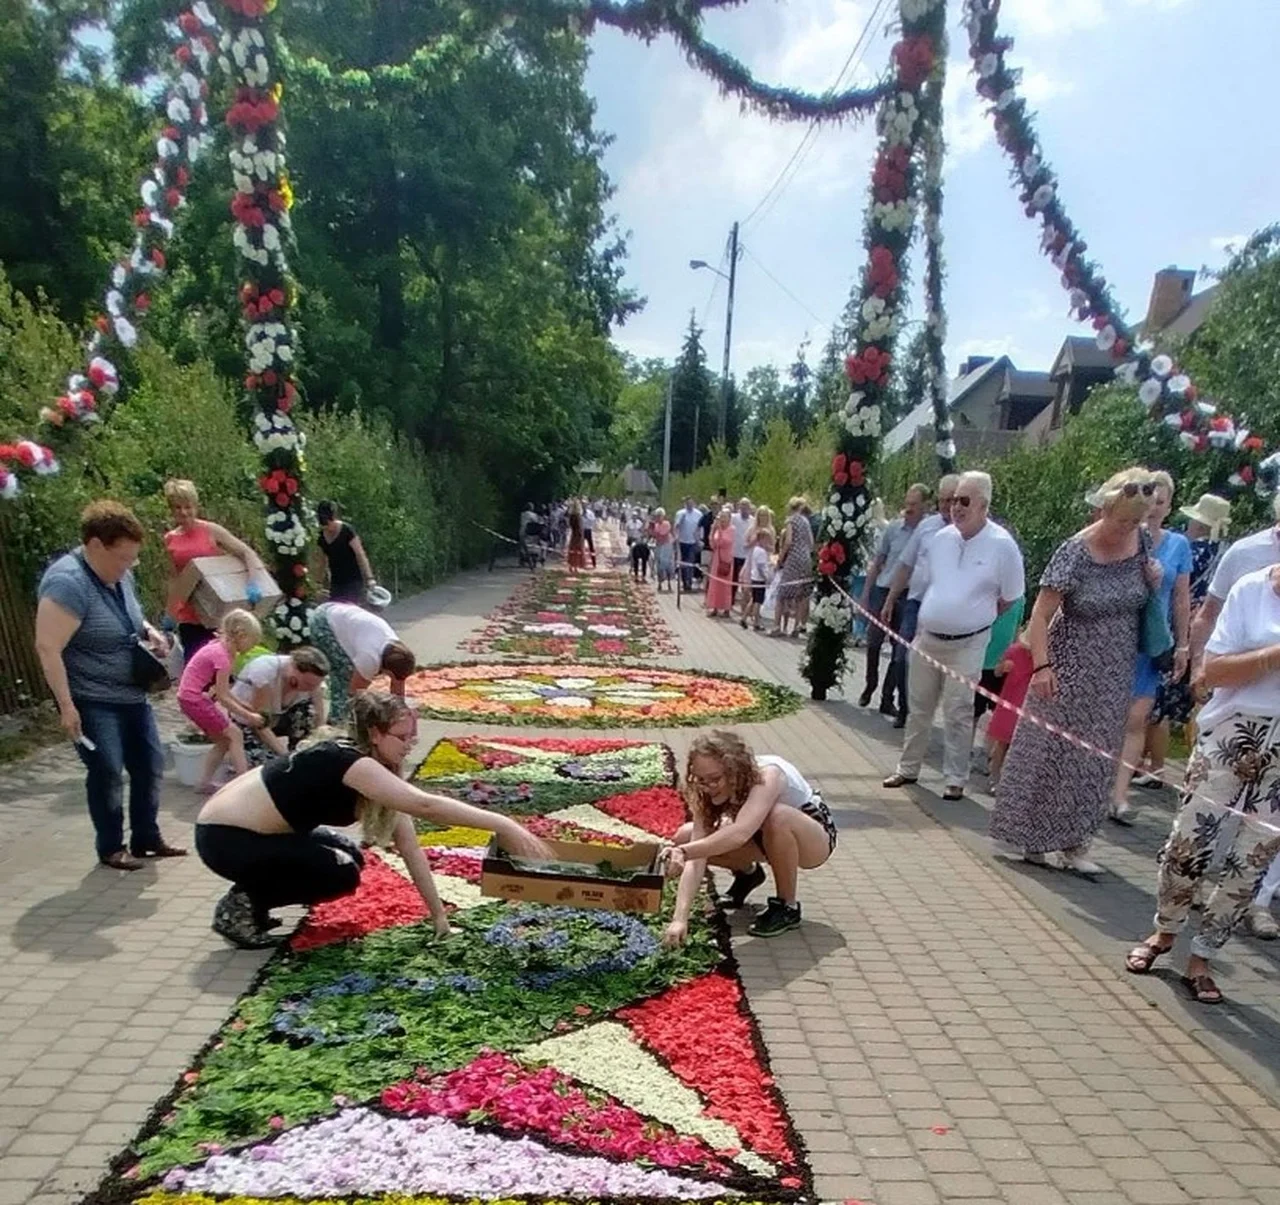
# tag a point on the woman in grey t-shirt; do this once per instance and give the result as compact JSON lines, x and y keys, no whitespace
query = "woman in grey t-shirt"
{"x":87,"y":623}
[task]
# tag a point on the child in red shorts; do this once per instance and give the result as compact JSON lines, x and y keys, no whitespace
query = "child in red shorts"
{"x":204,"y":693}
{"x":1016,"y":667}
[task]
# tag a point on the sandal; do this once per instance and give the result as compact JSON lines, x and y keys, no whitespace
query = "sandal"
{"x":899,"y":780}
{"x":1142,"y":958}
{"x":1202,"y":988}
{"x":121,"y":860}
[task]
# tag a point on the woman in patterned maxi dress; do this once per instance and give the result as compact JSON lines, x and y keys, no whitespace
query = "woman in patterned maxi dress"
{"x":1052,"y":796}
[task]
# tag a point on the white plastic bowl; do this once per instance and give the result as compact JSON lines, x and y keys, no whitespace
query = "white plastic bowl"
{"x":378,"y":597}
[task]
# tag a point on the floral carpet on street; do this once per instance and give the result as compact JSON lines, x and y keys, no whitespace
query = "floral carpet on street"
{"x":594,"y":615}
{"x":538,"y":1053}
{"x":584,"y":695}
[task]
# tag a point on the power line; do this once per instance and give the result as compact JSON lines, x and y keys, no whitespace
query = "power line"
{"x":779,"y":186}
{"x":776,"y":281}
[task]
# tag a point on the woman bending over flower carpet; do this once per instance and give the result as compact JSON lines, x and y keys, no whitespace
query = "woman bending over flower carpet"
{"x":745,"y":808}
{"x":263,"y":830}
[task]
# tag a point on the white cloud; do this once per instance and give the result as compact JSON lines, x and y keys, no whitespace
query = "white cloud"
{"x":1050,"y":18}
{"x":966,"y":123}
{"x":710,"y":147}
{"x":1004,"y":345}
{"x":1228,"y":244}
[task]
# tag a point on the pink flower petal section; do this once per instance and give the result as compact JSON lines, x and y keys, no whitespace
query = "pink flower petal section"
{"x":503,"y":1092}
{"x":701,"y":1030}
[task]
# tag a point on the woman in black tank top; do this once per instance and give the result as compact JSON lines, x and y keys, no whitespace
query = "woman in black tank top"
{"x":349,"y":572}
{"x":265,"y":830}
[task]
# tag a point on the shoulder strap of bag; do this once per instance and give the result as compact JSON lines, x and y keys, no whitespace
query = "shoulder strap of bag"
{"x":117,"y":604}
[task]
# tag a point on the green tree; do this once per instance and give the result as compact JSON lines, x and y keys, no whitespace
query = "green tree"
{"x":693,"y":404}
{"x":72,"y":149}
{"x":799,"y":393}
{"x":764,"y":399}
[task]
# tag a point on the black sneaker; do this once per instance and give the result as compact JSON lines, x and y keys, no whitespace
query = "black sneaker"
{"x":776,"y":918}
{"x":744,"y":883}
{"x":865,"y":697}
{"x":233,"y":919}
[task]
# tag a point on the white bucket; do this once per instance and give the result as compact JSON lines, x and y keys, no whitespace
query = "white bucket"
{"x":188,"y":762}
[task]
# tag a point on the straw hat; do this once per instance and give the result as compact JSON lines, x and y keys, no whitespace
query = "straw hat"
{"x":1212,"y":511}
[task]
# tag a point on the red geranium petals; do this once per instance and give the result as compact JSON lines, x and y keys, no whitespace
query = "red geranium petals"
{"x":700,"y":1031}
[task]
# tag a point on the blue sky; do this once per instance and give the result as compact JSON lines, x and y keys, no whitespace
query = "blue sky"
{"x":1159,"y":116}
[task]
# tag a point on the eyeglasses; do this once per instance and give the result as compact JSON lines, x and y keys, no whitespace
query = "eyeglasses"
{"x":1130,"y":489}
{"x":408,"y":737}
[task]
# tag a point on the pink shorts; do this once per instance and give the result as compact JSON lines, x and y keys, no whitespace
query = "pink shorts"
{"x":205,"y":714}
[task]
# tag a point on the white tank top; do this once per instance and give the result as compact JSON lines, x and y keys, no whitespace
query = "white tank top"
{"x":796,"y":790}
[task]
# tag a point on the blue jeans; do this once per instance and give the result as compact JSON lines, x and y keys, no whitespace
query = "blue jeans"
{"x":907,"y":627}
{"x":126,"y":739}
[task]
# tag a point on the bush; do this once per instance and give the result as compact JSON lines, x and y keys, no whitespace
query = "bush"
{"x":416,"y":518}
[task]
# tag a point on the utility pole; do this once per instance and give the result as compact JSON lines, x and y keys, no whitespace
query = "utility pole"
{"x":728,"y":334}
{"x":666,"y":435}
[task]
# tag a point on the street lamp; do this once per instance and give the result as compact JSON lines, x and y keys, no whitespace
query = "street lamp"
{"x":732,"y":278}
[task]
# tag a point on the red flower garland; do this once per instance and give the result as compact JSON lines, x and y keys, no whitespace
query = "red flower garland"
{"x":497,"y":1089}
{"x":701,"y":1033}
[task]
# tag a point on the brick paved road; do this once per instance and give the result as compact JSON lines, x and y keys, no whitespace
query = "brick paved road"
{"x":942,"y":1030}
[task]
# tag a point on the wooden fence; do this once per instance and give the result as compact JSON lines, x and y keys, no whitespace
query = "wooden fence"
{"x":21,"y":682}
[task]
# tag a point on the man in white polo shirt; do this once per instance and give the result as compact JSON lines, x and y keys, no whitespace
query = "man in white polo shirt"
{"x":975,"y":572}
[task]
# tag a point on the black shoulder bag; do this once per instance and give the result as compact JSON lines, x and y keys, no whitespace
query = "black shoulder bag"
{"x":148,"y":672}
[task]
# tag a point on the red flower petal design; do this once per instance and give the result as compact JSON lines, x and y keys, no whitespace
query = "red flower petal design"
{"x":701,"y":1031}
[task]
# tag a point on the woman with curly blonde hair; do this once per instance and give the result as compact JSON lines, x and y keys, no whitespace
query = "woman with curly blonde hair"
{"x":746,"y":808}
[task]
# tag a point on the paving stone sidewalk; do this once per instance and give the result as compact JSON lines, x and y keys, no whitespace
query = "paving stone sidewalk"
{"x":938,"y":1035}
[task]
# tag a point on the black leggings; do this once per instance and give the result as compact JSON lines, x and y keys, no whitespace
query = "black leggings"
{"x":283,"y":868}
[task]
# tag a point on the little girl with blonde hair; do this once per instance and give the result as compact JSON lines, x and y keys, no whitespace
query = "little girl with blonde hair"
{"x":204,"y":694}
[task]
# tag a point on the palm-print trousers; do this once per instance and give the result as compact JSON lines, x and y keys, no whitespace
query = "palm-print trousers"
{"x":1233,"y":781}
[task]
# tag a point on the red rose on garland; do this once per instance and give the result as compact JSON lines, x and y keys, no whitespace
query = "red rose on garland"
{"x":889,"y":176}
{"x":839,"y":469}
{"x":882,"y":272}
{"x":870,"y":367}
{"x":914,"y":58}
{"x":830,"y":557}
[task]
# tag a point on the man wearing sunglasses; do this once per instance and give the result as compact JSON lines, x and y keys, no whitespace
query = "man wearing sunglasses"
{"x":975,"y":572}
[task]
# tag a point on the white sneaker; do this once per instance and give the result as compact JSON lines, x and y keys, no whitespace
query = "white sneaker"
{"x":1262,"y":924}
{"x":1053,"y":860}
{"x":1122,"y":813}
{"x":1079,"y":863}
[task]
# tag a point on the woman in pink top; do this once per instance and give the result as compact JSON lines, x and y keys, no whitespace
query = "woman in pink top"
{"x":663,"y":549}
{"x":195,"y":537}
{"x":204,"y":694}
{"x":720,"y":581}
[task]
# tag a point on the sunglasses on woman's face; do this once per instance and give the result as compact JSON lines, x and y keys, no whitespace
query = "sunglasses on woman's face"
{"x":1132,"y":488}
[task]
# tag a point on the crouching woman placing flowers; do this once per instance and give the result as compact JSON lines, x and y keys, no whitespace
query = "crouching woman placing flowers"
{"x":263,"y":830}
{"x":746,"y":808}
{"x":1228,"y":827}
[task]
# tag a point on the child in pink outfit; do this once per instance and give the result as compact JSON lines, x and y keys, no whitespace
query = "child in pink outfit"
{"x":204,"y":693}
{"x":1016,"y":667}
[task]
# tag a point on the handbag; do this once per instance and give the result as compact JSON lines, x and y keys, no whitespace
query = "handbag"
{"x":1156,"y":636}
{"x":147,"y":671}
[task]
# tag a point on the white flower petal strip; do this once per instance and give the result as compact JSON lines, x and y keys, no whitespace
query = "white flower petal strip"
{"x":609,"y":1058}
{"x":362,"y":1153}
{"x":591,"y":817}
